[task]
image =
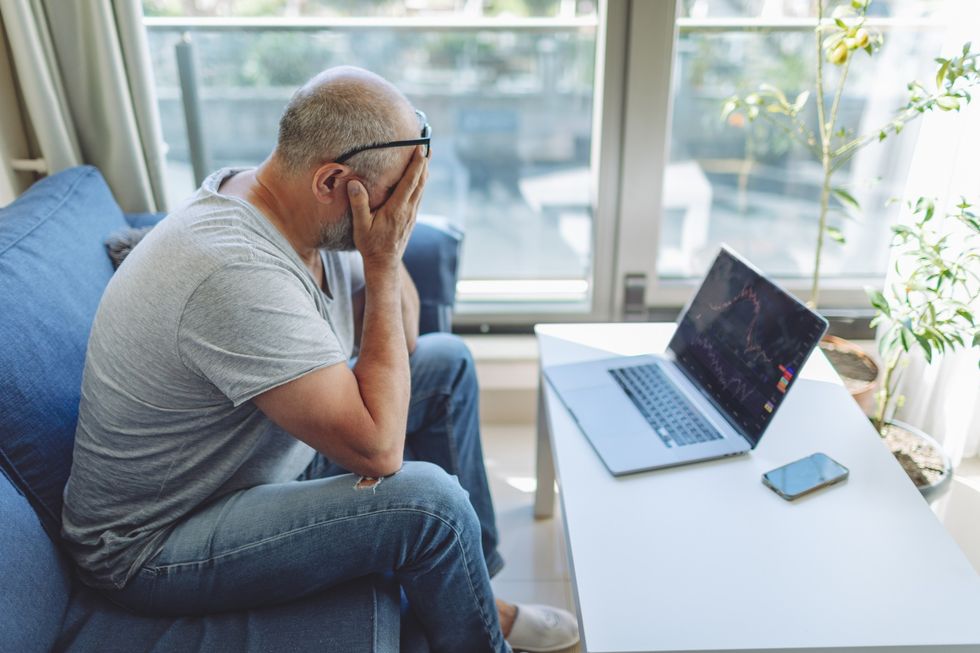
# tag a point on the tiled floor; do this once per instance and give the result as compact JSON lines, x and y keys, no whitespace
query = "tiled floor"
{"x":536,"y":569}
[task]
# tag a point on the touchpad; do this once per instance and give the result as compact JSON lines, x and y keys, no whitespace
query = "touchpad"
{"x":606,"y":412}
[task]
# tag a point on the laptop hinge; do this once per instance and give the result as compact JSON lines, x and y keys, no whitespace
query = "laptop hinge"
{"x":634,"y":297}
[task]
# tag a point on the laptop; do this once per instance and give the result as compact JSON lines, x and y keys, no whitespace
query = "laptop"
{"x":737,"y":350}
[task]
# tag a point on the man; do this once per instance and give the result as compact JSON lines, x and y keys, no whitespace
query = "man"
{"x":219,"y":413}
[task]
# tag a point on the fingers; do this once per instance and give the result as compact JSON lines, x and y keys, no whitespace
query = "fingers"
{"x":416,"y":196}
{"x":360,"y":207}
{"x":406,"y":186}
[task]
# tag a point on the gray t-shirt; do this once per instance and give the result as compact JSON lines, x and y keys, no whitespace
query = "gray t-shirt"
{"x":211,"y":309}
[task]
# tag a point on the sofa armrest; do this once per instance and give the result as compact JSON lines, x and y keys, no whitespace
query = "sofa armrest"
{"x":432,"y":260}
{"x":139,"y":220}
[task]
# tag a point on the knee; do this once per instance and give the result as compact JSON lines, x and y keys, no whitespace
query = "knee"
{"x":447,"y":354}
{"x":440,"y":492}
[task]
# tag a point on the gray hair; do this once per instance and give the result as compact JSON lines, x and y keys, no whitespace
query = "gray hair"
{"x":334,"y":113}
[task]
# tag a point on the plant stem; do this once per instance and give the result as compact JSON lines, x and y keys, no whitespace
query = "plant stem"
{"x":844,"y":153}
{"x":827,"y":159}
{"x":825,"y":152}
{"x":887,"y":391}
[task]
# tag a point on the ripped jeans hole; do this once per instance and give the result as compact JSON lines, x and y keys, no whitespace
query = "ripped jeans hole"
{"x":369,"y":482}
{"x":372,"y":482}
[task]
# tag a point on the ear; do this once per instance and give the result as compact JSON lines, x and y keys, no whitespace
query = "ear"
{"x":330,"y":182}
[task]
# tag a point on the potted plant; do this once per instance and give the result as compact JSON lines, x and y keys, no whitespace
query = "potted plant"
{"x":928,"y":308}
{"x":837,"y":42}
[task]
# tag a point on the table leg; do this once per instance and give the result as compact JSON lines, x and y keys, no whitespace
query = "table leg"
{"x":544,"y":494}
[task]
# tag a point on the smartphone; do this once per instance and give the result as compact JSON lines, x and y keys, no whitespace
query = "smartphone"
{"x":804,"y":476}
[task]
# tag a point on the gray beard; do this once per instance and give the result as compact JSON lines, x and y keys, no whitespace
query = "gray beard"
{"x":338,"y":236}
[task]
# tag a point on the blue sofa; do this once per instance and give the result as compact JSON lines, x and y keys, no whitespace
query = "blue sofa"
{"x":53,"y":269}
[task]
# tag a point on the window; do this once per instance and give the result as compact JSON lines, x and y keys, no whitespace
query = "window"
{"x":577,"y":141}
{"x":747,"y":184}
{"x":508,"y":86}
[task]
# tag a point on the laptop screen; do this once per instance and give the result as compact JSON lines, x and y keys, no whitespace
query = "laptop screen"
{"x":743,"y":340}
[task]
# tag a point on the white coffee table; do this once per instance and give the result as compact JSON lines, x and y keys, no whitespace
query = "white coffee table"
{"x":705,"y":558}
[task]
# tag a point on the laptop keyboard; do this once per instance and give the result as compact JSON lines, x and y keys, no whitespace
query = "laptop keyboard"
{"x":663,"y":407}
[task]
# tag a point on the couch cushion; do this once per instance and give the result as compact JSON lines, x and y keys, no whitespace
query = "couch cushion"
{"x":361,"y":615}
{"x":432,"y":260}
{"x":53,"y":270}
{"x":34,"y":578}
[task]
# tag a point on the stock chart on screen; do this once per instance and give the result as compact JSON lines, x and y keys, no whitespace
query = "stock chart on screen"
{"x":744,"y":340}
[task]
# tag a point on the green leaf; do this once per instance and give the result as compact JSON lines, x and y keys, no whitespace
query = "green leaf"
{"x":841,"y":24}
{"x":800,"y":101}
{"x":926,"y":205}
{"x":941,"y":74}
{"x":889,"y":341}
{"x":878,"y":301}
{"x":726,"y":110}
{"x":926,"y":348}
{"x":965,"y":314}
{"x":845,"y":198}
{"x":835,"y":234}
{"x":903,"y":338}
{"x":948,"y":103}
{"x":882,"y":136}
{"x":902,"y":231}
{"x":775,"y":92}
{"x":966,"y":48}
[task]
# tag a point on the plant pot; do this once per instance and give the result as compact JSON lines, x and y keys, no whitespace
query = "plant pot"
{"x":922,"y":458}
{"x":858,"y":370}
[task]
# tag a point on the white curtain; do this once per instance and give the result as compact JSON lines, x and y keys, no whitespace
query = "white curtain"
{"x":943,"y":398}
{"x":84,"y":74}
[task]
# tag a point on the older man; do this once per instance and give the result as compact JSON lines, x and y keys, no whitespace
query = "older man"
{"x":220,"y":414}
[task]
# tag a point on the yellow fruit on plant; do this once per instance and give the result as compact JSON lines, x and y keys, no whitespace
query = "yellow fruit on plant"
{"x":862,"y":37}
{"x":839,"y":54}
{"x":851,"y":44}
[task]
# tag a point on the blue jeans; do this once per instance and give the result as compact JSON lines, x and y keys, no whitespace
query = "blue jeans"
{"x":431,"y":525}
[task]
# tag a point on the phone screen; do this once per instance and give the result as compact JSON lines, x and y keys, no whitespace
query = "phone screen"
{"x":805,"y":475}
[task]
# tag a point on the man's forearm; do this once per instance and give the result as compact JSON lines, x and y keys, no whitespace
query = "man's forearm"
{"x":382,"y":367}
{"x":410,"y":309}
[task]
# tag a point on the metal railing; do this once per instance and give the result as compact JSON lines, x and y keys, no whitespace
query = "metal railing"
{"x":461,"y":23}
{"x":187,"y":62}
